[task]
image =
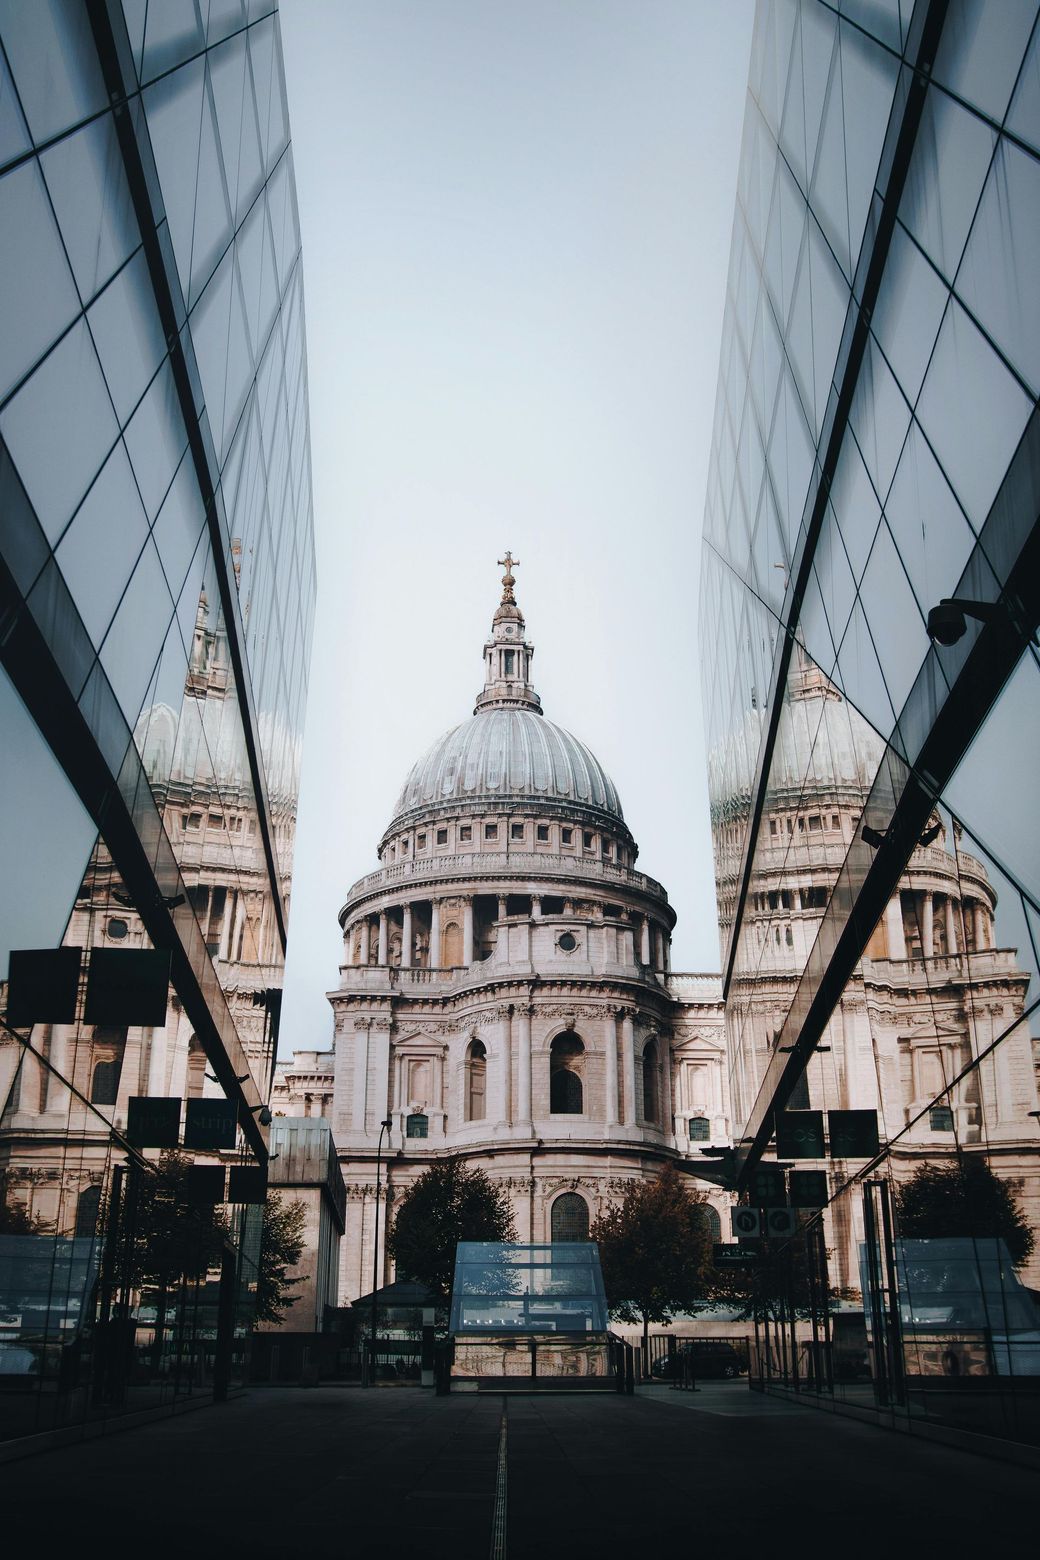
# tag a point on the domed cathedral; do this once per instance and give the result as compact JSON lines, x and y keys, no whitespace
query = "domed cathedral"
{"x":506,"y":990}
{"x":935,"y":987}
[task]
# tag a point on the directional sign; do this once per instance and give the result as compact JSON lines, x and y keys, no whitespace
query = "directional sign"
{"x":853,"y":1133}
{"x":734,"y":1256}
{"x":808,"y":1188}
{"x":799,"y":1134}
{"x":768,"y":1188}
{"x":781,"y":1222}
{"x":746,"y":1222}
{"x":153,"y":1120}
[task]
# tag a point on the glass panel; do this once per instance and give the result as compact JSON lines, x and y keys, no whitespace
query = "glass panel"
{"x":996,"y":278}
{"x":38,"y":298}
{"x":87,"y":183}
{"x":100,"y":548}
{"x":50,"y":48}
{"x":60,"y":428}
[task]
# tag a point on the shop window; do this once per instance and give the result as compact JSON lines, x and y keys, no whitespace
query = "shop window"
{"x":569,"y":1218}
{"x":417,"y":1126}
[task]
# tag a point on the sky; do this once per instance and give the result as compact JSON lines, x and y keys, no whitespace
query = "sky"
{"x":516,"y":221}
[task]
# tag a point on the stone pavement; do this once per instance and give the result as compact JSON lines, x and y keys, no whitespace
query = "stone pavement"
{"x":398,"y":1472}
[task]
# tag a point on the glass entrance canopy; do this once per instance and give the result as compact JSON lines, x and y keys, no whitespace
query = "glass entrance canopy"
{"x":503,"y":1288}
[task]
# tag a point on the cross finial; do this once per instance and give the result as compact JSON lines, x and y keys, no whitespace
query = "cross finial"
{"x":509,"y":563}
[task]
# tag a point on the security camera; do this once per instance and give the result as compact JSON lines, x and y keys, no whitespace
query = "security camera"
{"x":946,"y":623}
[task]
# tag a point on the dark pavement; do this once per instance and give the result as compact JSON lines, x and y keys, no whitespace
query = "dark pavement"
{"x":398,"y":1472}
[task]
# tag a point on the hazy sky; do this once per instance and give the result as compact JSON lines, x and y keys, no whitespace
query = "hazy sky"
{"x":516,"y":222}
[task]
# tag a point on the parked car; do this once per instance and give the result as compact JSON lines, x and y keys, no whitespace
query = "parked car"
{"x":709,"y":1357}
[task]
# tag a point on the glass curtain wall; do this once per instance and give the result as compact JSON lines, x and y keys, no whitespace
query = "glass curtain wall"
{"x":157,"y":584}
{"x":875,"y":454}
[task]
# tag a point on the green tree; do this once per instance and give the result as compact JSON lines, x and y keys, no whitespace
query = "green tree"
{"x":655,"y":1250}
{"x":15,"y":1218}
{"x":448,"y":1203}
{"x":281,"y":1247}
{"x":963,"y":1198}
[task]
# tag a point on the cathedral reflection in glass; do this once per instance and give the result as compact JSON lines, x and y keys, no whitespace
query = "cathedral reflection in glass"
{"x":501,"y":1288}
{"x":875,"y":456}
{"x":157,"y":580}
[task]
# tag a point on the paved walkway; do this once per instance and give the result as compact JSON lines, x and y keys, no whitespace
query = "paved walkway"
{"x":398,"y":1472}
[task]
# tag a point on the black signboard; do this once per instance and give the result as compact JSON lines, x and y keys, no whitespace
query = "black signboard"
{"x":733,"y":1256}
{"x":204,"y":1184}
{"x":210,"y":1124}
{"x":799,"y":1135}
{"x":247,"y":1184}
{"x":42,"y":987}
{"x":853,"y":1134}
{"x":153,"y":1121}
{"x":768,"y":1188}
{"x":127,"y":986}
{"x":808,"y":1188}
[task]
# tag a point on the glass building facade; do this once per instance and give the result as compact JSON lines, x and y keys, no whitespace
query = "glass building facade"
{"x":157,"y":584}
{"x":876,"y":452}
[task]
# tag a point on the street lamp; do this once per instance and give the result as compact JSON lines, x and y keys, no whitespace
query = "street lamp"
{"x":384,"y":1126}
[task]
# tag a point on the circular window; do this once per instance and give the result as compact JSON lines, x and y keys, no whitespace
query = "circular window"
{"x":117,"y":928}
{"x":568,"y":942}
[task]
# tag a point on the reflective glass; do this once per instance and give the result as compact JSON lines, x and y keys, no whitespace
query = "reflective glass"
{"x":38,"y":298}
{"x":52,"y":57}
{"x":60,"y":428}
{"x":99,"y":550}
{"x":91,"y":196}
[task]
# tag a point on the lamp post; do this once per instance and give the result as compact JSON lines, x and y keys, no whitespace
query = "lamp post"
{"x":384,"y":1126}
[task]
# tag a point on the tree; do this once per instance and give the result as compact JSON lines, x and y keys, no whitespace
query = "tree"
{"x":655,"y":1250}
{"x":448,"y":1203}
{"x":963,"y":1198}
{"x":15,"y":1218}
{"x":281,"y":1246}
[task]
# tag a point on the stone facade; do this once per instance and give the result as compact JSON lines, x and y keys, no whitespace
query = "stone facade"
{"x":507,"y":940}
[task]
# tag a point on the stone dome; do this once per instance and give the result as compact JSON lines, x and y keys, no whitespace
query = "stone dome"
{"x":509,"y":754}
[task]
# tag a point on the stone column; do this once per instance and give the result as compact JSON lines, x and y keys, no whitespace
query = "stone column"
{"x":406,"y":937}
{"x":644,"y":940}
{"x":379,"y":1047}
{"x":628,"y":1062}
{"x":235,"y":951}
{"x":667,"y":1086}
{"x":952,"y":943}
{"x":894,"y":934}
{"x":505,"y":1070}
{"x":536,"y":907}
{"x":523,"y":1081}
{"x":668,"y":953}
{"x":611,"y":1113}
{"x":57,"y":1090}
{"x":659,"y":949}
{"x":435,"y":934}
{"x":157,"y":1063}
{"x":348,"y":946}
{"x":225,"y":927}
{"x":360,"y":1079}
{"x":927,"y":928}
{"x":467,"y":932}
{"x":981,"y":939}
{"x":501,"y":907}
{"x":366,"y":940}
{"x":383,"y":956}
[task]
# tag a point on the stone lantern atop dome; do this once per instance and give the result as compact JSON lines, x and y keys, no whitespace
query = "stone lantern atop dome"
{"x":507,"y":654}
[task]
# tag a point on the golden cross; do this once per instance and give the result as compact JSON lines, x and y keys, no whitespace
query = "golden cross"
{"x":509,"y":563}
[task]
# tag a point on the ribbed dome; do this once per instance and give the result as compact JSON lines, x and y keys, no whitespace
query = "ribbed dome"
{"x":508,"y":753}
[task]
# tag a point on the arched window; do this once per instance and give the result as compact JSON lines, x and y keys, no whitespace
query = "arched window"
{"x":476,"y":1081}
{"x":570,"y":1218}
{"x":714,"y":1224}
{"x":107,"y":1054}
{"x":651,"y":1091}
{"x":87,"y":1209}
{"x":417,"y":1126}
{"x":566,"y":1066}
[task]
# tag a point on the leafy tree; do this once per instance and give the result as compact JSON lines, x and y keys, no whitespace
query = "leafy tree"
{"x":281,"y":1247}
{"x":15,"y":1218}
{"x":448,"y":1203}
{"x":963,"y":1198}
{"x":655,"y":1250}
